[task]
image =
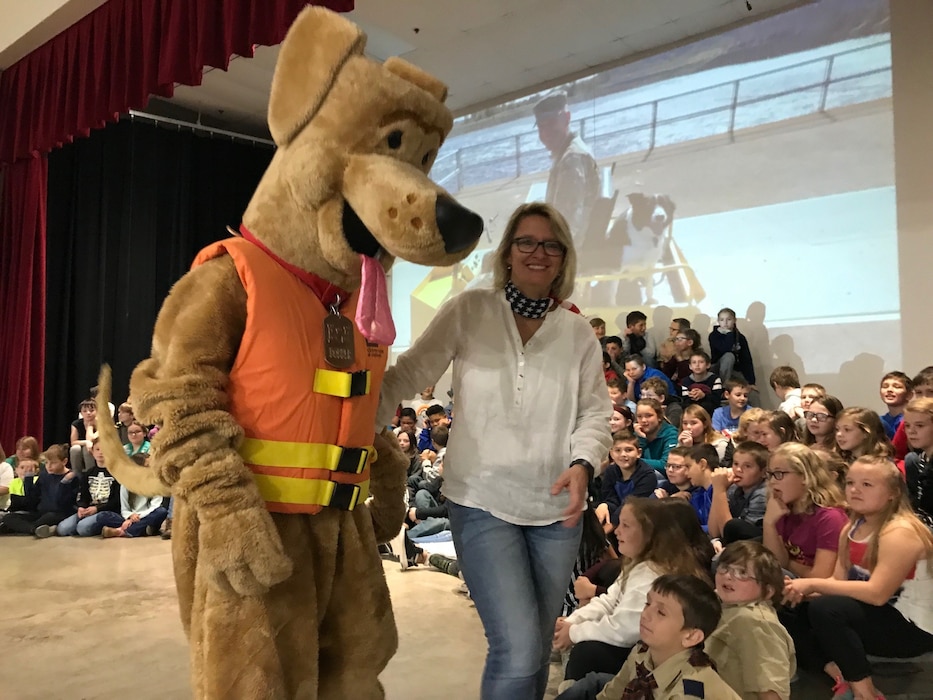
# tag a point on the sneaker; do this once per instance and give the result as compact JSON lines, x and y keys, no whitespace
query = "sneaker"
{"x":445,"y":564}
{"x":397,"y":544}
{"x":44,"y":531}
{"x":111,"y":532}
{"x":150,"y":531}
{"x":167,"y":529}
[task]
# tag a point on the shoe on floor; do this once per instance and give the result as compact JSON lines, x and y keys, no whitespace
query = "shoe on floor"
{"x":111,"y":532}
{"x":167,"y":529}
{"x":44,"y":531}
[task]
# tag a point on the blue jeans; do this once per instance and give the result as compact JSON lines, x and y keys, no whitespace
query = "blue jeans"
{"x":517,"y":576}
{"x":153,"y":519}
{"x":89,"y":526}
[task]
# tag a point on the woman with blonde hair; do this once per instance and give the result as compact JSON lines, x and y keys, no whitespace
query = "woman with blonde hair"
{"x":532,"y":416}
{"x":879,"y":599}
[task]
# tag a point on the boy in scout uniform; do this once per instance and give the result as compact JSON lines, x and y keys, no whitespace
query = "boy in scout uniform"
{"x":753,"y":652}
{"x":669,"y":663}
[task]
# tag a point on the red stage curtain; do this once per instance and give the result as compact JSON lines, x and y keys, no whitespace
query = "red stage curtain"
{"x":22,"y":289}
{"x":105,"y":64}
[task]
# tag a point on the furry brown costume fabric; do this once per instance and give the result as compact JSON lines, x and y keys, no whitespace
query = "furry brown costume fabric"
{"x":283,"y":605}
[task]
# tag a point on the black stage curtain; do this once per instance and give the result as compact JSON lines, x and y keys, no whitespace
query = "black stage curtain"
{"x":128,"y":209}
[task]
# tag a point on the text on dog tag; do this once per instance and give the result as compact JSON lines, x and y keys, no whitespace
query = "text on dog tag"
{"x":338,"y":341}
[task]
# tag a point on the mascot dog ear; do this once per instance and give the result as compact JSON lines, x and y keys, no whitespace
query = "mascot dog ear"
{"x":318,"y":44}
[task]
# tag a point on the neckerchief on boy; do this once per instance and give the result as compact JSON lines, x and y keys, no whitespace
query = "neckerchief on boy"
{"x":642,"y":686}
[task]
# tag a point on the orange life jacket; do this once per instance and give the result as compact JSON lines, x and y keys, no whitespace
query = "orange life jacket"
{"x":308,"y":427}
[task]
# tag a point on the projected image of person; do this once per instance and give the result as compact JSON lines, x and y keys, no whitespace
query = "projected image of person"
{"x":532,"y":411}
{"x":573,"y":183}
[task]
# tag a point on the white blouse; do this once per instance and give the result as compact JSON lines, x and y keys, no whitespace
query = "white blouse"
{"x":523,"y":413}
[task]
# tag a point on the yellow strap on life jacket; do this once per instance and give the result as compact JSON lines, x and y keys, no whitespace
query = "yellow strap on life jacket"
{"x":343,"y":384}
{"x":280,"y":489}
{"x":305,"y":455}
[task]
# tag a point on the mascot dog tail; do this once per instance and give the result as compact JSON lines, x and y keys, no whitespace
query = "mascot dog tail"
{"x":140,"y":480}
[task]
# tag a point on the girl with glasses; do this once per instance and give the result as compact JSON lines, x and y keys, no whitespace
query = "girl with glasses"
{"x":136,"y":434}
{"x":820,"y":422}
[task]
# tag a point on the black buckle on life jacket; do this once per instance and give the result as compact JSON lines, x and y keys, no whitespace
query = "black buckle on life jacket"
{"x":352,"y":460}
{"x":345,"y":496}
{"x":358,"y":382}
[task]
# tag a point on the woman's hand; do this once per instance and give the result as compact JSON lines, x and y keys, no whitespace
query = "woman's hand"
{"x":575,"y":480}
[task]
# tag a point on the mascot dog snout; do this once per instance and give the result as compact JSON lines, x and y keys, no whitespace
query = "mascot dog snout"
{"x":460,"y":228}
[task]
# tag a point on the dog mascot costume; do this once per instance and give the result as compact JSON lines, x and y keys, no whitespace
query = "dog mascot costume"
{"x":267,"y":359}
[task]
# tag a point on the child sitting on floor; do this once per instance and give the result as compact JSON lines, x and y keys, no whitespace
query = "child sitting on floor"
{"x":753,"y":652}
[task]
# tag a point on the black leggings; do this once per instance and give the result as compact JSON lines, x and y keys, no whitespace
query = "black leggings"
{"x":738,"y":529}
{"x":586,"y":657}
{"x":847,"y":630}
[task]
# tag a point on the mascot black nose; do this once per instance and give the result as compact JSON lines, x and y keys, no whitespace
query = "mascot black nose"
{"x":460,"y":228}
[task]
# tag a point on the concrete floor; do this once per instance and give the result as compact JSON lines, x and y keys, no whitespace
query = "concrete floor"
{"x":96,"y":618}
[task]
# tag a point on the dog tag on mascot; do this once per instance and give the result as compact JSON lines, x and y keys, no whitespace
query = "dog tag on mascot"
{"x":338,"y":340}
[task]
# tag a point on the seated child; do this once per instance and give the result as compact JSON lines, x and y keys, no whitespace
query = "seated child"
{"x":636,"y":372}
{"x":918,"y":464}
{"x":627,"y":475}
{"x":47,"y":500}
{"x":617,"y":389}
{"x":696,"y":428}
{"x":608,"y":372}
{"x":7,"y":474}
{"x":729,"y":349}
{"x":740,"y":495}
{"x":896,"y":390}
{"x":808,"y":394}
{"x":726,"y":418}
{"x":136,"y":443}
{"x":859,"y":432}
{"x":98,"y":502}
{"x":753,"y":652}
{"x":25,"y":469}
{"x":701,"y":386}
{"x":701,"y":462}
{"x":620,"y":419}
{"x":786,"y":385}
{"x":677,"y":483}
{"x":656,"y":388}
{"x":613,"y":346}
{"x":636,"y":340}
{"x":603,"y":632}
{"x":669,"y":663}
{"x":772,"y":429}
{"x":657,"y":437}
{"x":143,"y":515}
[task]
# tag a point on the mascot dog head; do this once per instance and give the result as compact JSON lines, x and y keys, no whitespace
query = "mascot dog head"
{"x":356,"y":140}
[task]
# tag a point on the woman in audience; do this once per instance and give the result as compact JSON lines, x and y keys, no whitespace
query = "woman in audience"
{"x":820,"y":422}
{"x":879,"y":599}
{"x":859,"y":432}
{"x":774,"y":429}
{"x":804,"y":514}
{"x":83,"y":434}
{"x":656,"y":436}
{"x":652,"y":542}
{"x":27,"y":447}
{"x":531,"y":424}
{"x":696,"y":428}
{"x":918,"y":425}
{"x":136,"y":434}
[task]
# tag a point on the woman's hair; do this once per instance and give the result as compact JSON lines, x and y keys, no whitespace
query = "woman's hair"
{"x":755,"y":557}
{"x":412,"y":443}
{"x":696,"y":411}
{"x":27,"y":442}
{"x":833,"y":407}
{"x":819,"y":483}
{"x":875,"y":441}
{"x":55,"y":452}
{"x":566,"y":278}
{"x":782,"y":424}
{"x":749,"y":417}
{"x":669,"y":537}
{"x":898,"y":509}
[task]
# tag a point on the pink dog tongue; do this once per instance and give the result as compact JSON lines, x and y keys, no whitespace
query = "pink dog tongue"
{"x":373,"y":317}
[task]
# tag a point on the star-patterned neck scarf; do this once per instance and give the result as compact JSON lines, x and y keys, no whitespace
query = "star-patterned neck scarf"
{"x":524,"y":306}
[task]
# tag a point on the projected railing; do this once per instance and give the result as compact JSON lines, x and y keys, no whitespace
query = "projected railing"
{"x":808,"y":87}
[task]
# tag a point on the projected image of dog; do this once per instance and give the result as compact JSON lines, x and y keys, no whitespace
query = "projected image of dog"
{"x":642,"y":232}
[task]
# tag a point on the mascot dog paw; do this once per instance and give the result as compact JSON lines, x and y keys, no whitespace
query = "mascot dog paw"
{"x":267,"y":358}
